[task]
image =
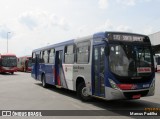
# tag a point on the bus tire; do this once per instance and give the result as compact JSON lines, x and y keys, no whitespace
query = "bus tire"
{"x":44,"y":84}
{"x":82,"y":92}
{"x":12,"y":73}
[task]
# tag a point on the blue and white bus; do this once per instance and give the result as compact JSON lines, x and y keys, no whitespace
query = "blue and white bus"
{"x":108,"y":65}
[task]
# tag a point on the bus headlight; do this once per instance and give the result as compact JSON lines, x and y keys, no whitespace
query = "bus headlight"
{"x":113,"y":84}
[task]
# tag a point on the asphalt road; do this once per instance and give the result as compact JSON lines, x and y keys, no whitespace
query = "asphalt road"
{"x":21,"y":92}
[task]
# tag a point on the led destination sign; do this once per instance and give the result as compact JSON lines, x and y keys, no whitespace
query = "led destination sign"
{"x":130,"y":38}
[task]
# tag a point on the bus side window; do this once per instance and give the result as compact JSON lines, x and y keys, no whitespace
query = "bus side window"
{"x":83,"y":52}
{"x":41,"y":57}
{"x":69,"y":54}
{"x":52,"y":56}
{"x":45,"y":56}
{"x":33,"y":57}
{"x":48,"y":55}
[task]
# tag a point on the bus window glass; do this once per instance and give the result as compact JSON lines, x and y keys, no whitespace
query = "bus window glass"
{"x":83,"y":51}
{"x":45,"y":56}
{"x":33,"y":57}
{"x":158,"y":61}
{"x":96,"y":59}
{"x":127,"y":60}
{"x":52,"y":56}
{"x":69,"y":54}
{"x":9,"y":61}
{"x":29,"y":63}
{"x":41,"y":57}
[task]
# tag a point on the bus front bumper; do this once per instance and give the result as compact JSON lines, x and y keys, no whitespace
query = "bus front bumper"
{"x":115,"y":94}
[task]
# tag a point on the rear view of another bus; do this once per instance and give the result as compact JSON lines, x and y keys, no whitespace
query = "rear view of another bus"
{"x":28,"y":64}
{"x":8,"y":63}
{"x":24,"y":63}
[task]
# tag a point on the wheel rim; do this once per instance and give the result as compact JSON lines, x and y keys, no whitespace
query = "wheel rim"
{"x":43,"y":82}
{"x":84,"y":92}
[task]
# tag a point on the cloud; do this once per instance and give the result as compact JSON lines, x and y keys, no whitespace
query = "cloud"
{"x":131,"y":2}
{"x":103,"y":4}
{"x":41,"y":19}
{"x":5,"y":32}
{"x":31,"y":30}
{"x":108,"y":24}
{"x":127,"y":2}
{"x":82,"y":29}
{"x":147,"y":0}
{"x":111,"y":26}
{"x":124,"y":28}
{"x":29,"y":21}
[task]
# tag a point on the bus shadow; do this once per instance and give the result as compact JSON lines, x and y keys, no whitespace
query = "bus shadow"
{"x":24,"y":72}
{"x":112,"y":106}
{"x":62,"y":91}
{"x":125,"y":104}
{"x":8,"y":74}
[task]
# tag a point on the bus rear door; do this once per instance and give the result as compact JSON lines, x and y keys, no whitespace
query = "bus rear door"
{"x":59,"y":73}
{"x":58,"y":67}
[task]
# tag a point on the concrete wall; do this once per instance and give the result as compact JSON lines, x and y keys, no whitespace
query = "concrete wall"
{"x":155,"y":38}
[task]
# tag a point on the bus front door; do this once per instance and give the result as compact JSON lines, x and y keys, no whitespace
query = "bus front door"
{"x":98,"y":71}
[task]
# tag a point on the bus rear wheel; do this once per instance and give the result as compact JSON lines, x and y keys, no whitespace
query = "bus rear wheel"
{"x":12,"y":73}
{"x":82,"y":92}
{"x":44,"y":84}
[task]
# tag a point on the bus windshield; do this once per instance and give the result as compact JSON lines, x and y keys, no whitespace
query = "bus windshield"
{"x":9,"y":61}
{"x":130,"y":60}
{"x":29,"y":63}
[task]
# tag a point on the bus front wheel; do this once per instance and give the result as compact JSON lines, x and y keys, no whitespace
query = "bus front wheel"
{"x":82,"y":92}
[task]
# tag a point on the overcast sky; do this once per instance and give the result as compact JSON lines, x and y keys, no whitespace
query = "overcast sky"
{"x":31,"y":24}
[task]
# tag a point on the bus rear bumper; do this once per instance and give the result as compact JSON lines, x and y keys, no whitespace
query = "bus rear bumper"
{"x":29,"y":69}
{"x":8,"y":71}
{"x":14,"y":69}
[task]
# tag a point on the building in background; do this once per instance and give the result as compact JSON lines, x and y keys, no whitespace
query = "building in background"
{"x":155,"y":40}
